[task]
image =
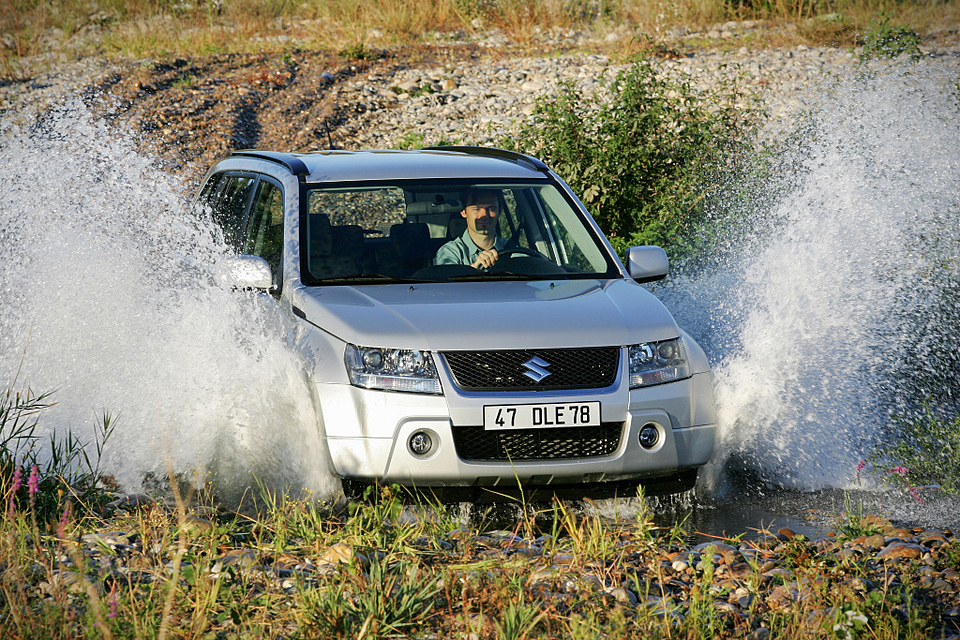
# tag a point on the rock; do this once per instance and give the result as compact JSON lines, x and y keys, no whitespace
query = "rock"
{"x":871,"y":543}
{"x":111,"y":538}
{"x":338,"y":552}
{"x":760,"y":633}
{"x":740,"y":570}
{"x":901,"y":550}
{"x":131,"y":501}
{"x":621,"y":595}
{"x":69,"y":580}
{"x":717,"y":547}
{"x":240,"y":558}
{"x":193,"y":525}
{"x":543,"y":574}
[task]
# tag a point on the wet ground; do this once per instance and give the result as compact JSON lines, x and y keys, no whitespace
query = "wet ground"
{"x":811,"y":513}
{"x":751,"y":513}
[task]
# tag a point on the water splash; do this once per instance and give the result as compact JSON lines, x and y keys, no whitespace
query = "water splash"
{"x":824,"y":293}
{"x":103,"y":304}
{"x":824,"y":305}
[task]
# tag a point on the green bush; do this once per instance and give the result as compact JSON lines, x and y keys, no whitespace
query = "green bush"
{"x":884,"y":41}
{"x":925,"y":451}
{"x":643,"y":157}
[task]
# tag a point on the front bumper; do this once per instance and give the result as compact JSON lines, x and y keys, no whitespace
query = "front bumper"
{"x":368,"y":434}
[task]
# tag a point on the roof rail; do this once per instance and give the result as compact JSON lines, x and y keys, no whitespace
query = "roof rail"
{"x":291,"y":162}
{"x":494,"y":152}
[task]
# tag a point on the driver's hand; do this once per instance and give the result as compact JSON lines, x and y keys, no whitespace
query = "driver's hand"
{"x":486,"y":259}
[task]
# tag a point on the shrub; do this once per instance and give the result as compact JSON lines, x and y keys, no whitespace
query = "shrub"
{"x":925,"y":451}
{"x":639,"y":157}
{"x":884,"y":41}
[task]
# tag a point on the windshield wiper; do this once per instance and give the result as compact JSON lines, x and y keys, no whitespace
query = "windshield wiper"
{"x":497,"y":275}
{"x":367,"y":277}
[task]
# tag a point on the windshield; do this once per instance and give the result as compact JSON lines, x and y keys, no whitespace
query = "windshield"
{"x":439,"y":231}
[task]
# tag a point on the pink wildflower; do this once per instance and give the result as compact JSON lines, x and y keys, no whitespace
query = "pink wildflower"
{"x":861,"y":465}
{"x":113,"y":603}
{"x":33,"y":482}
{"x":17,"y":481}
{"x":900,"y":470}
{"x":916,"y":495}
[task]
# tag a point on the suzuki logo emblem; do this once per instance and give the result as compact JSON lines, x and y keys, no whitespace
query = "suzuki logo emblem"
{"x":537,"y":369}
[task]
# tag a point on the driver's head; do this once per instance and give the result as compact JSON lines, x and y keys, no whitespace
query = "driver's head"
{"x":481,"y":208}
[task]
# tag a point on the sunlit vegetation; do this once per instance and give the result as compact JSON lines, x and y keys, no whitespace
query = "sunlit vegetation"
{"x":641,"y":154}
{"x":38,"y":31}
{"x":76,"y":564}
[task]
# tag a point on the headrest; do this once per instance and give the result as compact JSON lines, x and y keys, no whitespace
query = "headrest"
{"x":410,"y":232}
{"x":456,"y":226}
{"x":348,"y":239}
{"x":426,"y":208}
{"x":319,"y":235}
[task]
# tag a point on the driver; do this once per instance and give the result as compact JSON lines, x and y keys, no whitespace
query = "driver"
{"x":479,"y":246}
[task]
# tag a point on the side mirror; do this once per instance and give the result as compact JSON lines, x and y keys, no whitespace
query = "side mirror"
{"x":646,"y":264}
{"x":245,"y":272}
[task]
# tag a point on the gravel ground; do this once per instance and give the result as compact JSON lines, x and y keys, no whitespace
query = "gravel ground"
{"x":188,"y":112}
{"x":747,"y":585}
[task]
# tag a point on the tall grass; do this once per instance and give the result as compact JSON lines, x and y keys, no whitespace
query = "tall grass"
{"x":33,"y":29}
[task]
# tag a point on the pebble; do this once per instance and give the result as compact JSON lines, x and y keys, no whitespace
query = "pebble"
{"x":745,"y":582}
{"x":901,"y":550}
{"x":492,"y":98}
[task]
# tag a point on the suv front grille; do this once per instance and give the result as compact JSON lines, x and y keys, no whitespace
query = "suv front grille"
{"x":561,"y":443}
{"x":588,"y":368}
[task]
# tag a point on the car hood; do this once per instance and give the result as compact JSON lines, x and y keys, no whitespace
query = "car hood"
{"x":488,"y":315}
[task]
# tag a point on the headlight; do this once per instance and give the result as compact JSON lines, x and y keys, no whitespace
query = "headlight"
{"x":657,"y":362}
{"x":392,"y":369}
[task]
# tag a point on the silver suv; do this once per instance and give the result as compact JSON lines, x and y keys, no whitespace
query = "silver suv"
{"x":465,"y":322}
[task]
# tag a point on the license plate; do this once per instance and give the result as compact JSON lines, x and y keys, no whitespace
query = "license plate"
{"x":537,"y":416}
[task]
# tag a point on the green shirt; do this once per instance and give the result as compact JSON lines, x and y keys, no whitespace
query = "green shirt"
{"x":462,"y":250}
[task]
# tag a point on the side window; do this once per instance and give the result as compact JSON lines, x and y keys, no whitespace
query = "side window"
{"x":229,"y":206}
{"x":510,"y":227}
{"x":208,"y":193}
{"x":265,"y":231}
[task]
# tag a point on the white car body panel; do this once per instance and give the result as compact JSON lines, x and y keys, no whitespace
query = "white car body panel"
{"x":367,"y":431}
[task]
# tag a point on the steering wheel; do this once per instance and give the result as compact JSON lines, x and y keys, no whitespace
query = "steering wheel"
{"x":542,"y":267}
{"x":522,"y":250}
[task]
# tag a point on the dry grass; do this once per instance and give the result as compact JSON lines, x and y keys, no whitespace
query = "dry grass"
{"x":34,"y":31}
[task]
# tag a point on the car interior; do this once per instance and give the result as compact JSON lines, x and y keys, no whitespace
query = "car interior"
{"x":389,"y":231}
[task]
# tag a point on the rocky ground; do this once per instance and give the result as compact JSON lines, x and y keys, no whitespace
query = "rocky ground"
{"x":190,"y":112}
{"x":894,"y":581}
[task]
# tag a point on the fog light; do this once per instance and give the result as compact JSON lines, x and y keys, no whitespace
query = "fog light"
{"x":421,"y":443}
{"x":649,"y":436}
